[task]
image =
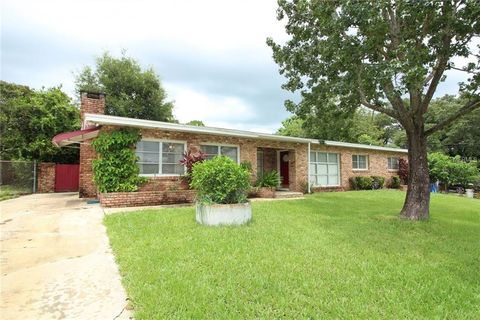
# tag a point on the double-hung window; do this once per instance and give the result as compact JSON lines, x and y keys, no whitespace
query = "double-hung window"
{"x":218,"y":150}
{"x":160,"y":157}
{"x":324,"y":169}
{"x":359,"y":162}
{"x":392,"y":163}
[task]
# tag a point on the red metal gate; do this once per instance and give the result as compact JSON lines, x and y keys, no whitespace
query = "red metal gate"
{"x":66,"y":177}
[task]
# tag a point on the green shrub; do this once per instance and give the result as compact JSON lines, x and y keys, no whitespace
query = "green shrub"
{"x":451,"y":170}
{"x":116,"y":169}
{"x":395,"y":183}
{"x":220,"y":180}
{"x":361,"y":183}
{"x":377,"y":182}
{"x":269,"y":180}
{"x":247,"y":165}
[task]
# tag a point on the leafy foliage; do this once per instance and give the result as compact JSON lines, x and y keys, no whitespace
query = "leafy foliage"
{"x":247,"y":165}
{"x":377,"y":182}
{"x":403,"y":168}
{"x":220,"y":180}
{"x":130,"y":91}
{"x":343,"y":54}
{"x":197,"y":123}
{"x":395,"y":182}
{"x":116,"y":169}
{"x":29,"y":119}
{"x":452,"y":170}
{"x":268,"y":180}
{"x":189,"y":159}
{"x":361,"y":183}
{"x":462,"y":137}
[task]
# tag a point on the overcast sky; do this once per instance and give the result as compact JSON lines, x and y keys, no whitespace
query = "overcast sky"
{"x":211,"y":55}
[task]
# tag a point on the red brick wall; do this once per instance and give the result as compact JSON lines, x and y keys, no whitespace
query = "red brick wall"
{"x":89,"y":103}
{"x":248,"y":151}
{"x":145,"y":198}
{"x":298,"y":166}
{"x":46,"y":177}
{"x":377,"y":164}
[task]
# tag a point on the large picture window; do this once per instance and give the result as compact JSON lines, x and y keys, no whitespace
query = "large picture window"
{"x":160,"y":157}
{"x":217,"y":150}
{"x":359,"y":162}
{"x":324,"y":169}
{"x":392,"y":163}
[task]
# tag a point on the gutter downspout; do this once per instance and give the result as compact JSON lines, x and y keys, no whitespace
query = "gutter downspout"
{"x":308,"y":168}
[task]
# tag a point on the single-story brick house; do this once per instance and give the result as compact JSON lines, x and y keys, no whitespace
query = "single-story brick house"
{"x":321,"y":165}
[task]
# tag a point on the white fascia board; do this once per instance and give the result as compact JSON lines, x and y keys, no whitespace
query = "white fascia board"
{"x":149,"y":124}
{"x":362,"y":146}
{"x":101,"y":119}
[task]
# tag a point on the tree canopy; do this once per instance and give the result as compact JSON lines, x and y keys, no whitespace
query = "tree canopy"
{"x":343,"y":54}
{"x":130,"y":90}
{"x":197,"y":123}
{"x":30,"y":118}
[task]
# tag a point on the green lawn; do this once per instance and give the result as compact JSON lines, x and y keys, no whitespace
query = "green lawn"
{"x":342,"y":255}
{"x":10,"y":191}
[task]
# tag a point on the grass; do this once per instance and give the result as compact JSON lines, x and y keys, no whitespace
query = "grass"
{"x":10,"y":191}
{"x":341,"y":255}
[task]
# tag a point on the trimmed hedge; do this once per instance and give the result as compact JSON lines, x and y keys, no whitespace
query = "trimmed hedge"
{"x":367,"y":183}
{"x":395,"y":184}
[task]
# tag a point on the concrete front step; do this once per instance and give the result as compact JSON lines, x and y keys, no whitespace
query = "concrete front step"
{"x":287,"y":194}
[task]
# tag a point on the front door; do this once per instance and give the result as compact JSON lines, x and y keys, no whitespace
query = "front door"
{"x":284,"y":169}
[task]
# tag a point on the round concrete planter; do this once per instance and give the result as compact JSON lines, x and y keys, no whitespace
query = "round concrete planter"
{"x":224,"y":214}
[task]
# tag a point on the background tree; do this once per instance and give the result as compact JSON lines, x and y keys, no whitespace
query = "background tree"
{"x":375,"y":53}
{"x":462,"y":137}
{"x":130,"y":91}
{"x":197,"y":123}
{"x":293,"y":127}
{"x":29,"y":119}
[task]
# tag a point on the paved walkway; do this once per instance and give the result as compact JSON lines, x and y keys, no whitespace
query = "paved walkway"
{"x":56,"y":262}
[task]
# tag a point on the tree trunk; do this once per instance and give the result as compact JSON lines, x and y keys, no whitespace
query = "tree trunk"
{"x":417,"y":201}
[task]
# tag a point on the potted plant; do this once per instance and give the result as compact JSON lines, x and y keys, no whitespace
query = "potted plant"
{"x":267,"y":184}
{"x":222,"y":187}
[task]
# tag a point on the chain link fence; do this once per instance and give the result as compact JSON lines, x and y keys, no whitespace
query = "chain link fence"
{"x":17,"y":178}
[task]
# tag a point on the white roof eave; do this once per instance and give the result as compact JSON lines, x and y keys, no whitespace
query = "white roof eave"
{"x":101,"y":119}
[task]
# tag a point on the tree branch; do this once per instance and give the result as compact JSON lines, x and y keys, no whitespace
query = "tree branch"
{"x":375,"y":107}
{"x":469,"y":107}
{"x":464,"y":70}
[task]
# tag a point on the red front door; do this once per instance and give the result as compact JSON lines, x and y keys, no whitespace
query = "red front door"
{"x":284,"y":168}
{"x":66,"y":177}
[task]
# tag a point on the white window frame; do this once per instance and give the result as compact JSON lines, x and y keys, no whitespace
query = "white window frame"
{"x":327,"y":163}
{"x":388,"y":164}
{"x":222,"y":145}
{"x":160,"y":154}
{"x":367,"y":162}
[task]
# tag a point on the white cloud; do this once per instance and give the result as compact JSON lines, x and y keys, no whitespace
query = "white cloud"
{"x":194,"y":105}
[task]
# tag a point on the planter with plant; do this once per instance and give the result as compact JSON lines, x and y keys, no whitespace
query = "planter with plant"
{"x":267,"y":184}
{"x":222,"y":187}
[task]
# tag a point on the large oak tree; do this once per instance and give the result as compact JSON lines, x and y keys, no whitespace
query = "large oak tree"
{"x":380,"y":54}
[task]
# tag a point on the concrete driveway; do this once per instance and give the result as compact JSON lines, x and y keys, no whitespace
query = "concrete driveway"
{"x":56,"y":262}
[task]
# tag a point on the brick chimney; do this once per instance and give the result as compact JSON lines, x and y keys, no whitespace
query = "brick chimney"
{"x":91,"y":103}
